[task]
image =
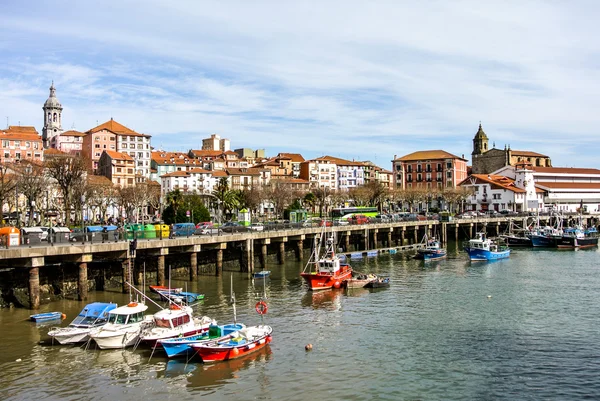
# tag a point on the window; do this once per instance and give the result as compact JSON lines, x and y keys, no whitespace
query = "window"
{"x":129,"y":171}
{"x":449,"y":165}
{"x":5,"y":144}
{"x":419,"y":177}
{"x":118,"y":169}
{"x":439,"y":167}
{"x":17,"y":144}
{"x":97,"y":146}
{"x":17,"y":155}
{"x":28,"y":144}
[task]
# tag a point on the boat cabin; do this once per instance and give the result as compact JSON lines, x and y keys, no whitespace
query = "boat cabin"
{"x":170,"y":322}
{"x":328,"y":265}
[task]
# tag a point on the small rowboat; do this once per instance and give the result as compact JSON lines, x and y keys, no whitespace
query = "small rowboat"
{"x":45,"y":317}
{"x":158,"y":288}
{"x":262,"y":274}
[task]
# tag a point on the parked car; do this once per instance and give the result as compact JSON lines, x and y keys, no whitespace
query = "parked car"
{"x":311,"y":222}
{"x":358,"y":219}
{"x":233,"y":227}
{"x":492,"y":213}
{"x":204,"y":224}
{"x":506,"y":212}
{"x":256,"y":227}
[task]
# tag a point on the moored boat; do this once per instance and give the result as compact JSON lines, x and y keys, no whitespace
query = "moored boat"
{"x":177,"y":320}
{"x":359,"y":280}
{"x":379,"y":282}
{"x":181,"y":346}
{"x":261,"y":274}
{"x":46,"y":316}
{"x":432,"y":251}
{"x":325,"y":271}
{"x":235,"y":345}
{"x":175,"y":295}
{"x":576,"y":238}
{"x":124,"y":326}
{"x":158,"y":288}
{"x":483,"y":248}
{"x":91,"y":316}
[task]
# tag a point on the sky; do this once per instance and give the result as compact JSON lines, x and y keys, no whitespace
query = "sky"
{"x":360,"y":80}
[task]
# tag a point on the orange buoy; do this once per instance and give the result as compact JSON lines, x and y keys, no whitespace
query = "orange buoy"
{"x":175,"y":307}
{"x":132,"y":304}
{"x":63,"y":316}
{"x":261,"y":307}
{"x":337,"y":285}
{"x":235,"y":351}
{"x":308,"y":347}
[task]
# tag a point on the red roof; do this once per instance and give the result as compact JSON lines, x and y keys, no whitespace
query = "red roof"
{"x":118,"y":155}
{"x":116,"y":128}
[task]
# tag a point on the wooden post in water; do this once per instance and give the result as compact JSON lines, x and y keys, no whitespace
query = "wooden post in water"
{"x":416,"y":235}
{"x":281,"y":253}
{"x":456,"y":232}
{"x":193,"y":266}
{"x":389,"y":238}
{"x":347,"y":241}
{"x":263,"y":255}
{"x":219,"y":269}
{"x":300,"y":250}
{"x":125,"y":267}
{"x":247,"y":264}
{"x":402,"y":235}
{"x":160,"y":270}
{"x":34,"y":288}
{"x":82,"y":282}
{"x":366,"y":239}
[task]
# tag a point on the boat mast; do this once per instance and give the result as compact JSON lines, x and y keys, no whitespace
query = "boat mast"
{"x":232,"y":299}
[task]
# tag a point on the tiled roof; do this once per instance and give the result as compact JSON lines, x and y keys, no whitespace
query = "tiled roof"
{"x":568,"y":185}
{"x":428,"y":155}
{"x":176,"y":174}
{"x":338,"y":161}
{"x":566,"y":170}
{"x":53,"y":152}
{"x":526,"y":153}
{"x":116,"y":128}
{"x":176,"y":158}
{"x":206,"y":153}
{"x":72,"y":133}
{"x":499,"y":181}
{"x":242,"y":171}
{"x":296,"y":157}
{"x":98,"y":180}
{"x":290,"y":180}
{"x":20,"y":133}
{"x":118,"y":155}
{"x":219,"y":173}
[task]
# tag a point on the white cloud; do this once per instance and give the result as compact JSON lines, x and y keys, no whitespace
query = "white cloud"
{"x":364,"y":79}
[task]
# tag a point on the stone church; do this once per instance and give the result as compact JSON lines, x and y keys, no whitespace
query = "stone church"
{"x":485,"y":160}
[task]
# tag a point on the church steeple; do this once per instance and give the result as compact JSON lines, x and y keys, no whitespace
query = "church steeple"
{"x":52,"y":117}
{"x":480,"y":142}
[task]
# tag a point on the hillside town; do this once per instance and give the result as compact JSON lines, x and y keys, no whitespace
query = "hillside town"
{"x":111,"y":173}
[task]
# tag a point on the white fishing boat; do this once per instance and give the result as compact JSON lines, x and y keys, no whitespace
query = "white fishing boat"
{"x":92,"y":316}
{"x":125,"y":324}
{"x":176,"y":321}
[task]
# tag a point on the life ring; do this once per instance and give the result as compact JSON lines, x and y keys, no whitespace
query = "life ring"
{"x":132,"y":304}
{"x":261,"y":307}
{"x":175,"y":307}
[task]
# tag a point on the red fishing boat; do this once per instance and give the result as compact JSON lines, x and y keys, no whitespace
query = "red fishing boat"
{"x":235,"y":345}
{"x":161,"y":288}
{"x":325,"y":271}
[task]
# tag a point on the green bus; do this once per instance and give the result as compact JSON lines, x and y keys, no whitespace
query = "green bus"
{"x":347,"y":212}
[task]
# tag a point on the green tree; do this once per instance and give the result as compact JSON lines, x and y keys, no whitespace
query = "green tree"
{"x":174,"y":201}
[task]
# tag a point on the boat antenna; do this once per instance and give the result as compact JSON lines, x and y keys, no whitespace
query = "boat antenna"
{"x":233,"y":301}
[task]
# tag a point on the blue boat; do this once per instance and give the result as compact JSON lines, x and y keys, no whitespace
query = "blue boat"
{"x":432,"y":251}
{"x":262,"y":274}
{"x":180,"y":347}
{"x":181,"y":296}
{"x":91,"y":316}
{"x":45,"y":317}
{"x":483,"y":248}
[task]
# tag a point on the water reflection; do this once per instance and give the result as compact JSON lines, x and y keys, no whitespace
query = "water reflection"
{"x":326,"y":299}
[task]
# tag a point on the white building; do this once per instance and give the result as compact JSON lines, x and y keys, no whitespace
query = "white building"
{"x":193,"y":181}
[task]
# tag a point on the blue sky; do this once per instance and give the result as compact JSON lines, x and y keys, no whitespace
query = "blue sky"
{"x":353,"y":79}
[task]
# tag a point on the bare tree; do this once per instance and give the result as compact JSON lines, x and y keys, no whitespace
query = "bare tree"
{"x":69,"y":172}
{"x":102,"y":193}
{"x":280,"y":194}
{"x":32,"y":183}
{"x":8,"y":181}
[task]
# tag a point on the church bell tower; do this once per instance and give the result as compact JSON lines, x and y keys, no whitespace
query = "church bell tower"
{"x":52,"y":117}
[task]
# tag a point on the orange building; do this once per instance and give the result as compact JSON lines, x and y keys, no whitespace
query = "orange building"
{"x":431,"y":169}
{"x":18,"y":143}
{"x":117,"y":167}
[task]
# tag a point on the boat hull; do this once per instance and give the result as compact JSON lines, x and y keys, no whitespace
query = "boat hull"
{"x":153,"y":340}
{"x":215,"y":353}
{"x":64,"y":336}
{"x":323,"y":281}
{"x":518,"y":241}
{"x":180,"y":347}
{"x":426,"y":254}
{"x":46,"y":317}
{"x":574,"y":242}
{"x":116,"y":339}
{"x":481,"y":254}
{"x":543,"y":241}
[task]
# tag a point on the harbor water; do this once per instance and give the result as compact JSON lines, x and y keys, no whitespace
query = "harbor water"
{"x":522,"y":328}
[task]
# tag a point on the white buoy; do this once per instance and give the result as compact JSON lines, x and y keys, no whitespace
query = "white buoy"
{"x":489,"y":296}
{"x":18,"y":360}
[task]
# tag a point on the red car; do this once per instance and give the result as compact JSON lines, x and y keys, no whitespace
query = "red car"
{"x":326,"y":223}
{"x":359,"y":219}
